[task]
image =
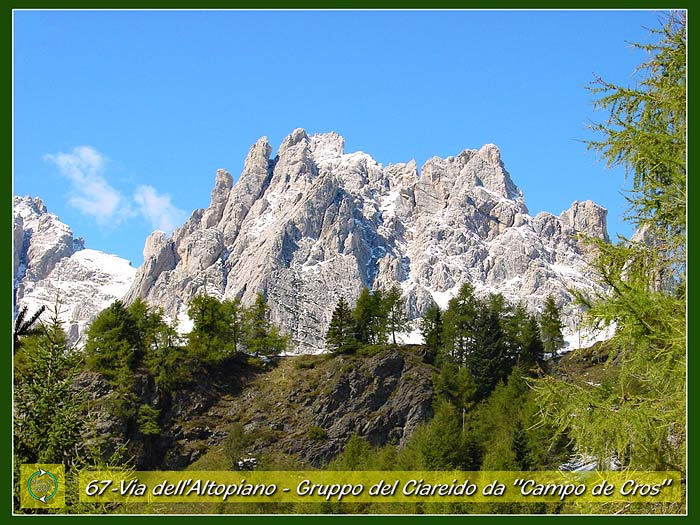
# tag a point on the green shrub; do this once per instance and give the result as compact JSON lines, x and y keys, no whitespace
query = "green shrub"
{"x":316,"y":433}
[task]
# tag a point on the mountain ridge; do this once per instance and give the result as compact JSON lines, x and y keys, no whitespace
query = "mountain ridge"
{"x":52,"y":268}
{"x":313,"y":223}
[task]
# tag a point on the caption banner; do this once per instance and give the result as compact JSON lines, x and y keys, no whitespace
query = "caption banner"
{"x":390,"y":487}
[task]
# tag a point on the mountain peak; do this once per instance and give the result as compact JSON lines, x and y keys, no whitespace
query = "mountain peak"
{"x":28,"y":206}
{"x":491,"y":154}
{"x":53,"y":268}
{"x":294,"y":138}
{"x":316,"y":223}
{"x":327,"y":146}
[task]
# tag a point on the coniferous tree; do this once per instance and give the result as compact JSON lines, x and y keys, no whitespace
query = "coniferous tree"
{"x":532,"y":348}
{"x":640,"y":416}
{"x":25,"y":326}
{"x":487,"y":358}
{"x":213,"y":336}
{"x":261,"y":337}
{"x":459,"y":323}
{"x":257,"y":324}
{"x":550,"y":327}
{"x":396,"y":317}
{"x":340,"y":336}
{"x":47,"y":406}
{"x":113,"y":341}
{"x":455,"y":385}
{"x":442,"y":444}
{"x":165,"y":358}
{"x":234,"y":315}
{"x":363,"y":317}
{"x":370,"y":318}
{"x":432,"y":327}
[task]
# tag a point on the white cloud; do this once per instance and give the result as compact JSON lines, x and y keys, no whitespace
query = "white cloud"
{"x":89,"y":191}
{"x":158,"y":209}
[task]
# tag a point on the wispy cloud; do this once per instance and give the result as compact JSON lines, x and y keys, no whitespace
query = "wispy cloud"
{"x":93,"y":195}
{"x":89,"y":191}
{"x":158,"y":208}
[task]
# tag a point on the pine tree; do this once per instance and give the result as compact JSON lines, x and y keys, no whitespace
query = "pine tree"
{"x":165,"y":358}
{"x":48,"y":408}
{"x":25,"y":326}
{"x":455,"y":385}
{"x":261,"y":337}
{"x":532,"y":348}
{"x":370,"y":317}
{"x":340,"y":336}
{"x":640,"y":415}
{"x":113,"y":341}
{"x":487,"y":358}
{"x":459,"y":323}
{"x":432,"y":328}
{"x":550,"y":327}
{"x":216,"y":329}
{"x":396,"y":316}
{"x":442,"y":444}
{"x":233,"y":311}
{"x":257,"y":324}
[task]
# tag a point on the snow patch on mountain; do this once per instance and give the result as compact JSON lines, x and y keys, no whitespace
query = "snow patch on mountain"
{"x":53,"y":269}
{"x":314,"y":223}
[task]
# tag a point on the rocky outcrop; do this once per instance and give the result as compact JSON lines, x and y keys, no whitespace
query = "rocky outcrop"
{"x":382,"y":399}
{"x":314,"y":223}
{"x":52,"y":268}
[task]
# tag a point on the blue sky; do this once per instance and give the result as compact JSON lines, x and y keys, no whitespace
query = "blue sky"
{"x":121,"y":118}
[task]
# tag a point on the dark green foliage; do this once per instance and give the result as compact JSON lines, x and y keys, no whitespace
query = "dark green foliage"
{"x":639,"y":414}
{"x":455,"y":385}
{"x":499,"y":420}
{"x":48,"y":408}
{"x":550,"y":327}
{"x":356,"y":455}
{"x":366,"y":328}
{"x":340,"y":337}
{"x":317,"y":433}
{"x":487,"y":337}
{"x":25,"y":326}
{"x":113,"y":341}
{"x":523,"y":338}
{"x":432,"y":328}
{"x":531,"y":346}
{"x":396,"y":317}
{"x":442,"y":445}
{"x":370,"y":318}
{"x":147,"y":420}
{"x":257,"y":325}
{"x":459,"y":323}
{"x":487,"y":359}
{"x":215,"y":335}
{"x":261,"y":337}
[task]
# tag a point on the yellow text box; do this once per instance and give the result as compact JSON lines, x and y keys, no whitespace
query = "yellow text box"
{"x":377,"y":486}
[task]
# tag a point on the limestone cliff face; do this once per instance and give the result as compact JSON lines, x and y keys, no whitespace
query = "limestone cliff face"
{"x":52,"y":268}
{"x":314,"y":223}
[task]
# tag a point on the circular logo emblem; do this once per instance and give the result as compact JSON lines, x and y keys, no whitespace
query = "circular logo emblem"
{"x":42,"y":485}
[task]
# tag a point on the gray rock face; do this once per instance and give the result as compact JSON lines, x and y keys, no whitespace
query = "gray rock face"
{"x":315,"y":223}
{"x":382,"y":399}
{"x":54,"y":269}
{"x":390,"y":396}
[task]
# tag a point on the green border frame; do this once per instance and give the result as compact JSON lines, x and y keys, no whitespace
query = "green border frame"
{"x":6,"y":187}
